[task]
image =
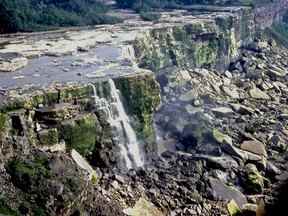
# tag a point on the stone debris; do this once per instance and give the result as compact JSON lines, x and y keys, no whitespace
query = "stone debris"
{"x":255,"y":147}
{"x":10,"y":62}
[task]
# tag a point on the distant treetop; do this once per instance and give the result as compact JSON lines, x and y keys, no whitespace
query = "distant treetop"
{"x":36,"y":15}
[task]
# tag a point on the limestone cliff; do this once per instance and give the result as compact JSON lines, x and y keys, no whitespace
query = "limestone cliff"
{"x":66,"y":117}
{"x":210,"y":43}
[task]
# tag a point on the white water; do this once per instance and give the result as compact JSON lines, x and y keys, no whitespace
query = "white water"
{"x":119,"y":120}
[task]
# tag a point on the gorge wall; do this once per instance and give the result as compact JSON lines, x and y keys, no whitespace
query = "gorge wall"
{"x":271,"y":12}
{"x":210,"y":43}
{"x":66,"y":118}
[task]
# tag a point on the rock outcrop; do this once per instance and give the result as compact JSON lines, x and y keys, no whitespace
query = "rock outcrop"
{"x":67,"y":115}
{"x":210,"y":43}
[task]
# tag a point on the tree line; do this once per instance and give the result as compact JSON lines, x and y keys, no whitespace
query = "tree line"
{"x":37,"y":15}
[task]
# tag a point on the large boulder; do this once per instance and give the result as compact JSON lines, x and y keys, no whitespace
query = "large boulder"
{"x":256,"y":93}
{"x":254,"y":147}
{"x":221,"y":191}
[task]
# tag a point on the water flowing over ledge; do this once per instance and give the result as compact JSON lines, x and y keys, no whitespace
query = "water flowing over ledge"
{"x":124,"y":134}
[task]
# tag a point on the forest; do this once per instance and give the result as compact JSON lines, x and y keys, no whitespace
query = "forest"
{"x":144,"y":5}
{"x":38,"y":15}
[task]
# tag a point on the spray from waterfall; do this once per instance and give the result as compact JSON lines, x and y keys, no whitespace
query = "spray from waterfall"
{"x":120,"y":122}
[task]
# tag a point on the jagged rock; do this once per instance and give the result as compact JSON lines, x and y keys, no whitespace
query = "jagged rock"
{"x":244,"y":110}
{"x":222,"y":111}
{"x":183,"y":75}
{"x":254,"y":182}
{"x":272,"y":169}
{"x":53,"y":178}
{"x":143,"y":208}
{"x":249,"y":209}
{"x":81,"y":162}
{"x":219,"y":162}
{"x":10,"y":62}
{"x":234,"y":151}
{"x":282,"y":177}
{"x":221,"y":138}
{"x":231,"y":91}
{"x":188,"y":96}
{"x":228,"y":74}
{"x":276,"y":71}
{"x":119,"y":179}
{"x":197,"y":102}
{"x":233,"y":208}
{"x":220,"y":191}
{"x":278,"y":143}
{"x":255,"y":147}
{"x":258,"y":46}
{"x":258,"y":94}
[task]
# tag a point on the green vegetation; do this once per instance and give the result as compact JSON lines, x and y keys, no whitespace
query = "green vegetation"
{"x":5,"y":210}
{"x":23,"y":173}
{"x":80,"y":134}
{"x":144,"y":5}
{"x":142,"y":97}
{"x":35,"y":15}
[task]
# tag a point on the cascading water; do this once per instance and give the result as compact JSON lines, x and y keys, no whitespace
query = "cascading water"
{"x":119,"y":120}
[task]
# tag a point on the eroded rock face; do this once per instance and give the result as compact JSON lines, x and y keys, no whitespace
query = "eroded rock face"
{"x":67,"y":114}
{"x":211,"y":44}
{"x":50,"y":184}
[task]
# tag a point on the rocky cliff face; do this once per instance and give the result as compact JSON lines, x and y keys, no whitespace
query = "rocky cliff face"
{"x":210,"y":43}
{"x":221,"y":127}
{"x":66,"y":118}
{"x":266,"y":14}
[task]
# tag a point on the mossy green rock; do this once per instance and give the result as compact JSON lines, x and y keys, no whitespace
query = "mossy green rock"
{"x":233,"y":208}
{"x":3,"y":118}
{"x":26,"y":175}
{"x":177,"y":45}
{"x":81,"y":133}
{"x":254,"y":181}
{"x":142,"y":97}
{"x":221,"y":138}
{"x":5,"y":210}
{"x":74,"y":92}
{"x":49,"y":136}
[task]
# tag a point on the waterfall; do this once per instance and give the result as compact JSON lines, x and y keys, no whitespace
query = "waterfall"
{"x":120,"y":122}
